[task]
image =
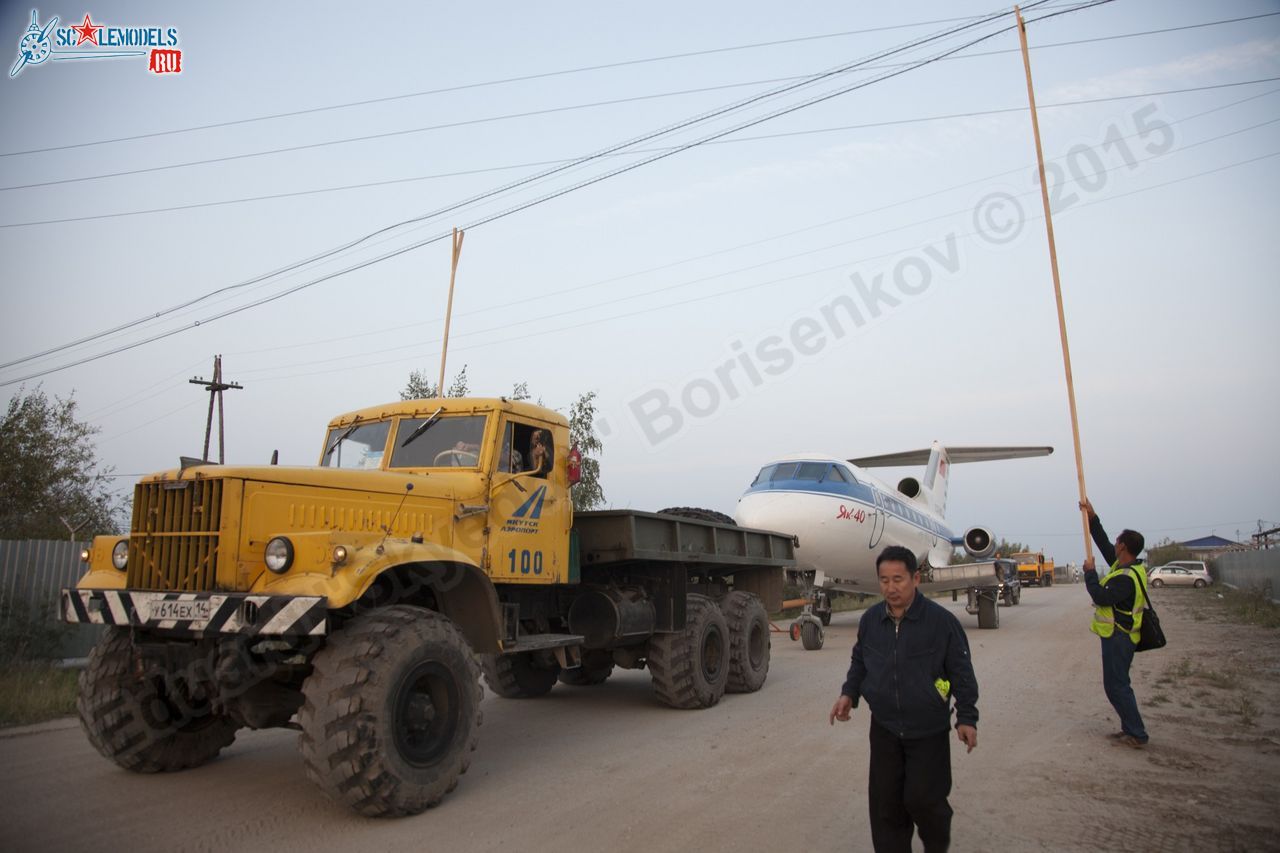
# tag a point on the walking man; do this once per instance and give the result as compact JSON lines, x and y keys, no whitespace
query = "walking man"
{"x":910,"y":659}
{"x":1118,"y":601}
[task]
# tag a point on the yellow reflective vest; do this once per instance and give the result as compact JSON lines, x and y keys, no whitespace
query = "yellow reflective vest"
{"x":1104,"y":618}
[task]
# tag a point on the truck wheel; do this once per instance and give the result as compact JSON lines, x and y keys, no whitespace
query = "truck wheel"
{"x":392,"y":712}
{"x":749,"y":643}
{"x":697,"y":513}
{"x":811,"y":636}
{"x":132,"y":719}
{"x":690,"y":668}
{"x":597,"y":666}
{"x":988,"y":611}
{"x":517,"y":677}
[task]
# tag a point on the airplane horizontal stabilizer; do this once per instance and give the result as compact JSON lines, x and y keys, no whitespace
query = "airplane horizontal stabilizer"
{"x":954,"y":454}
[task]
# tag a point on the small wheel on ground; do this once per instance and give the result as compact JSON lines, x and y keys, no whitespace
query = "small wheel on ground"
{"x":697,"y":513}
{"x":597,"y":666}
{"x":518,"y":676}
{"x":749,"y":643}
{"x":690,"y":668}
{"x":392,"y":712}
{"x":811,"y":636}
{"x":1199,"y":584}
{"x":1156,"y":582}
{"x":988,"y":611}
{"x":794,"y":631}
{"x":142,"y":720}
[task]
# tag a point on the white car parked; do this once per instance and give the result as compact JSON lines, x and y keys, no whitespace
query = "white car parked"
{"x":1180,"y":574}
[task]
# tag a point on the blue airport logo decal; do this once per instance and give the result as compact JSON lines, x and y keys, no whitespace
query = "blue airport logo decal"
{"x":525,"y":518}
{"x":42,"y":43}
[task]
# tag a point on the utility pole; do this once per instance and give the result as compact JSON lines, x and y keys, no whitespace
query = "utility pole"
{"x":215,"y":387}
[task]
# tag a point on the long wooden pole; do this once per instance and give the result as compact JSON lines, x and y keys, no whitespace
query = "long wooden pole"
{"x":448,"y":312}
{"x":1057,"y":282}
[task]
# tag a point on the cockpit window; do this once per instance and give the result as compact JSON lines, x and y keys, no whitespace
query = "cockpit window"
{"x":811,"y":470}
{"x":452,"y":441}
{"x":763,"y":477}
{"x":838,"y":475}
{"x":784,"y":471}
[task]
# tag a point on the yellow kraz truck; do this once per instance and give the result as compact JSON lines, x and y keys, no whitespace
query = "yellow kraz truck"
{"x":359,"y":600}
{"x":1033,"y":569}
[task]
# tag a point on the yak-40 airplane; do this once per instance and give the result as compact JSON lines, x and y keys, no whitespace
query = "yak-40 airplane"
{"x":843,"y":518}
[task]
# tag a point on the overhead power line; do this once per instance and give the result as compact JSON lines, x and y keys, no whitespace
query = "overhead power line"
{"x":539,"y":163}
{"x":542,"y":175}
{"x":786,"y":110}
{"x":391,"y":134}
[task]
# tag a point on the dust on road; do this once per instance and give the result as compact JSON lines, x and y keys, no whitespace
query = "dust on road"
{"x":607,"y":768}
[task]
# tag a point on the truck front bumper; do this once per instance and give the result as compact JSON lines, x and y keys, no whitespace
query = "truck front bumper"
{"x":199,"y":613}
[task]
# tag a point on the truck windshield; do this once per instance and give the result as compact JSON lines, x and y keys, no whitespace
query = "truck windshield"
{"x":453,"y":441}
{"x":361,"y":448}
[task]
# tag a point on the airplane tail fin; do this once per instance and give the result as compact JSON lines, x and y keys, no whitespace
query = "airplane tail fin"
{"x":938,"y":461}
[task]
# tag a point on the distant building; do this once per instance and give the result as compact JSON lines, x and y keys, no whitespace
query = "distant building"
{"x":1208,"y":547}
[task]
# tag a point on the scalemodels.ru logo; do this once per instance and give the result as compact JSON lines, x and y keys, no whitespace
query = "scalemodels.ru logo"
{"x":90,"y":40}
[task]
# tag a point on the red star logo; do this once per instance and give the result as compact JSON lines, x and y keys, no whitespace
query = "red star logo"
{"x":87,"y":32}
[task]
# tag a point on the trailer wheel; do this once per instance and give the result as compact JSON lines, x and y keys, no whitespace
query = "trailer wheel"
{"x":988,"y":611}
{"x":697,"y":513}
{"x":749,"y":643}
{"x":132,"y":718}
{"x":518,"y":676}
{"x":811,"y":636}
{"x":690,"y":668}
{"x":794,"y":631}
{"x":392,"y":712}
{"x":1016,"y":594}
{"x":597,"y":666}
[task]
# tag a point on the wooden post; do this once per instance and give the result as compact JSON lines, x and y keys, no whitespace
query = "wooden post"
{"x":1057,"y":282}
{"x":448,"y":312}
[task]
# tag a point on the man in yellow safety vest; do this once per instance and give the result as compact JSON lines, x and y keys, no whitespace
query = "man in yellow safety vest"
{"x":1119,"y":600}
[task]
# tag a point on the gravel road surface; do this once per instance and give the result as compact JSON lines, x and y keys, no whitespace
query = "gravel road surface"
{"x":607,"y":768}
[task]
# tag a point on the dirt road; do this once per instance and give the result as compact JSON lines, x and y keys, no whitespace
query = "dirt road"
{"x":607,"y":768}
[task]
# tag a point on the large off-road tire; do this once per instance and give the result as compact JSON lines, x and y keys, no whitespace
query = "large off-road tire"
{"x":597,"y":666}
{"x":697,"y":513}
{"x":811,"y":636}
{"x":392,"y":712}
{"x":131,"y":717}
{"x":988,"y":611}
{"x":690,"y":668}
{"x":749,"y":642}
{"x":517,"y":676}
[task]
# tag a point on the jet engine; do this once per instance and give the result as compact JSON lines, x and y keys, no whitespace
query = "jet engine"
{"x":979,"y":542}
{"x":909,"y":486}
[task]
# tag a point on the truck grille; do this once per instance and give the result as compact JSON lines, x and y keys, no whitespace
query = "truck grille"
{"x":173,"y":540}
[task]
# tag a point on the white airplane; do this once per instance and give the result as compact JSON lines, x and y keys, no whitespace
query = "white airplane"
{"x":843,"y":517}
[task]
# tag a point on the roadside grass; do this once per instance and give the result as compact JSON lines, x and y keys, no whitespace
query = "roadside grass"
{"x":1250,"y":607}
{"x":35,"y":692}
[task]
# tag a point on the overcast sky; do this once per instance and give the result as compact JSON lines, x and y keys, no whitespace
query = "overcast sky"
{"x":861,"y":270}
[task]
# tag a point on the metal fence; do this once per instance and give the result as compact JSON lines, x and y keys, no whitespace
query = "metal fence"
{"x":32,"y":572}
{"x":1251,"y":570}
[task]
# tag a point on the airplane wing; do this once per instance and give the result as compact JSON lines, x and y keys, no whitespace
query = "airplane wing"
{"x":956,"y":454}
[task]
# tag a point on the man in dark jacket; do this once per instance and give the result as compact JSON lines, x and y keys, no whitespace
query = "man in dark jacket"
{"x":1115,"y":621}
{"x":911,"y":657}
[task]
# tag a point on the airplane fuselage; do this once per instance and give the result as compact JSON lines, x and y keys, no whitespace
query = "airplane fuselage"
{"x":844,"y":518}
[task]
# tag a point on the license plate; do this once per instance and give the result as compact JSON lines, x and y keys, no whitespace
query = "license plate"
{"x":182,"y":611}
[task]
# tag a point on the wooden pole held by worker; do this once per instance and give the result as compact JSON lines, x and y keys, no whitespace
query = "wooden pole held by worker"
{"x":448,"y":312}
{"x":1057,"y":282}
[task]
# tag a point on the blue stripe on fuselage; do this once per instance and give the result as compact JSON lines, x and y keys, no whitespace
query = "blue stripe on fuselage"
{"x":862,"y":493}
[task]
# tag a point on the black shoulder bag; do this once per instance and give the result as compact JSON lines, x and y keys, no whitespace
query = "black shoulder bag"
{"x":1150,"y":634}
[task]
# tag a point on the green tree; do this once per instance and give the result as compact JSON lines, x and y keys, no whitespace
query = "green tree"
{"x":1166,"y":551}
{"x":419,"y":387}
{"x":50,"y":479}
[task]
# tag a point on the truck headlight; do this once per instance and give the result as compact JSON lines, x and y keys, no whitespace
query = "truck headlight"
{"x":120,"y":554}
{"x":279,"y":555}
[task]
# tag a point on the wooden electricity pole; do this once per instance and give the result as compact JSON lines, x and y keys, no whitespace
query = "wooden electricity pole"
{"x":215,"y":387}
{"x":1057,"y":282}
{"x":448,"y":313}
